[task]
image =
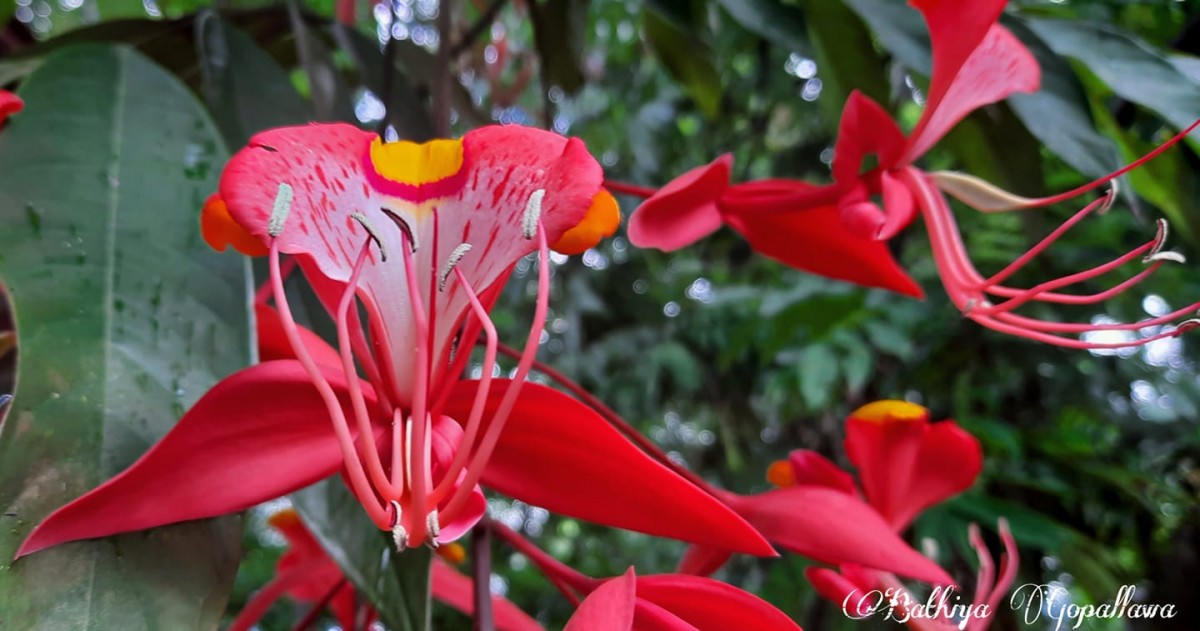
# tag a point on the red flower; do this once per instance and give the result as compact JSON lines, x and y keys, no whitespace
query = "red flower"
{"x":905,"y":463}
{"x":307,"y":574}
{"x":663,"y":602}
{"x":422,"y":237}
{"x":839,"y":231}
{"x":9,"y":104}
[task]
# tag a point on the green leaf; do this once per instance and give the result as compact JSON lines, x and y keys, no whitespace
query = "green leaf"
{"x":396,"y":584}
{"x":1133,"y":70}
{"x":899,"y":29}
{"x":559,"y":28}
{"x":1030,"y":528}
{"x":783,"y":25}
{"x":845,"y":56}
{"x":818,"y":373}
{"x":246,"y":89}
{"x":124,"y":317}
{"x":687,"y":58}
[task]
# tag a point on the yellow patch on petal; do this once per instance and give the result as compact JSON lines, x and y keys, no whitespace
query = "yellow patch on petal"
{"x":417,"y":164}
{"x":220,"y":230}
{"x":453,"y":553}
{"x":781,"y":474}
{"x":891,"y":410}
{"x":600,"y":221}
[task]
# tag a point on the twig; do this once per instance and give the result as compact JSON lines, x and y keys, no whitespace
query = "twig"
{"x":482,"y":24}
{"x":441,"y":73}
{"x":481,"y":568}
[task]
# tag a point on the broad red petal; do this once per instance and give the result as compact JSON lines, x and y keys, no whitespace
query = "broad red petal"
{"x":333,"y":177}
{"x":885,"y":453}
{"x":457,"y":590}
{"x":833,"y":527}
{"x":864,"y":129}
{"x":609,"y":608}
{"x":701,"y":560}
{"x":273,"y":343}
{"x":557,"y":453}
{"x":648,"y":616}
{"x":684,"y":211}
{"x":810,"y":468}
{"x":975,"y":62}
{"x":817,"y":242}
{"x":949,"y":461}
{"x":259,"y":434}
{"x":708,"y":604}
{"x":9,"y":104}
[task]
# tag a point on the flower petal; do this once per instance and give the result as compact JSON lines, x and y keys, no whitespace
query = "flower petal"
{"x":883,"y":440}
{"x":480,"y":199}
{"x":273,"y":342}
{"x":256,"y":435}
{"x":833,"y":527}
{"x":451,"y":587}
{"x":684,"y":211}
{"x":810,"y":468}
{"x":708,"y":604}
{"x":608,"y":608}
{"x":864,"y":129}
{"x":557,"y":453}
{"x":975,"y":62}
{"x":446,"y":437}
{"x":9,"y":104}
{"x":949,"y":461}
{"x":701,"y":560}
{"x":815,"y":240}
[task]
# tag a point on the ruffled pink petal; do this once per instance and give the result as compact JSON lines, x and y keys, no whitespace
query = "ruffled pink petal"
{"x":948,"y":462}
{"x":810,"y":468}
{"x":259,"y":434}
{"x":975,"y":62}
{"x":684,"y":211}
{"x":885,"y":453}
{"x":324,"y":166}
{"x":446,"y":436}
{"x":558,"y":453}
{"x":864,"y":129}
{"x":833,"y":527}
{"x":707,"y":604}
{"x":816,"y":241}
{"x":609,"y":608}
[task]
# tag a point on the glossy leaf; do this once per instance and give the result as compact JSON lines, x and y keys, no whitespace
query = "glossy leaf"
{"x":782,"y":24}
{"x":124,"y":318}
{"x":687,"y":58}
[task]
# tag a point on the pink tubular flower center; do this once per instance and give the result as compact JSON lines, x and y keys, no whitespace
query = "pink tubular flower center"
{"x":426,"y":492}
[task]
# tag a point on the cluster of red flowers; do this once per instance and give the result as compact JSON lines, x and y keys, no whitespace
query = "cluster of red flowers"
{"x":409,"y":245}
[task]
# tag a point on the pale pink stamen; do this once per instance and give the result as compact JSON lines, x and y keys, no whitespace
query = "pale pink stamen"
{"x":366,"y":433}
{"x":488,"y":443}
{"x":970,"y":291}
{"x":481,"y":393}
{"x":358,"y":479}
{"x":419,"y":419}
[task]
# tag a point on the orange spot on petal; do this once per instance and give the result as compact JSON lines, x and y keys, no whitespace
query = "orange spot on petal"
{"x":452,"y":553}
{"x":600,"y":221}
{"x":891,"y":410}
{"x":284,"y":519}
{"x":781,"y":474}
{"x":221,"y":231}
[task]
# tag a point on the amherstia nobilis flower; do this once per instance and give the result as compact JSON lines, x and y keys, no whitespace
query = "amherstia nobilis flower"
{"x":838,"y":230}
{"x":421,"y":238}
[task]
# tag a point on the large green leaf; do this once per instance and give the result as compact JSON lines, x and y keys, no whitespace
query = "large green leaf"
{"x":782,"y":24}
{"x":124,"y":318}
{"x":688,"y":58}
{"x":396,"y":584}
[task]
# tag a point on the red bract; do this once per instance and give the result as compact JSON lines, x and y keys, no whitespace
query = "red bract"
{"x":9,"y":104}
{"x":840,"y":230}
{"x":664,"y":602}
{"x":905,"y":464}
{"x":420,"y":238}
{"x":307,"y":574}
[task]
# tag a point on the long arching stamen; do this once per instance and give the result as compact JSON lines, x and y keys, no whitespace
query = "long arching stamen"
{"x":492,"y":435}
{"x":358,"y":479}
{"x":362,"y":416}
{"x":567,"y":579}
{"x":629,"y":189}
{"x":481,"y":393}
{"x":418,"y":420}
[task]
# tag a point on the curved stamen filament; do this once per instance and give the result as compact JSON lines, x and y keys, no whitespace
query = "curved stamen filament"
{"x":481,"y":394}
{"x":419,"y":419}
{"x":362,"y":417}
{"x":358,"y":479}
{"x":488,"y":443}
{"x":629,"y":189}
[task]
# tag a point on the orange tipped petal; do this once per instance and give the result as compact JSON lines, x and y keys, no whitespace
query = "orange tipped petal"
{"x":220,"y":230}
{"x":601,"y":220}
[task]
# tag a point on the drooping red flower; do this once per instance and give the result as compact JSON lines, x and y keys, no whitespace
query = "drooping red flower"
{"x":905,"y":465}
{"x":662,"y":602}
{"x":9,"y":104}
{"x":307,"y":574}
{"x":420,"y":238}
{"x":840,"y":230}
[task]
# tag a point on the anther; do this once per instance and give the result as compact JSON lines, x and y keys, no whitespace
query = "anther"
{"x":366,"y":224}
{"x":1185,"y":326}
{"x":1110,"y":198}
{"x":455,"y":257}
{"x":279,"y":212}
{"x":404,"y":227}
{"x":433,"y":528}
{"x":533,"y":213}
{"x":1160,"y":239}
{"x":399,"y":534}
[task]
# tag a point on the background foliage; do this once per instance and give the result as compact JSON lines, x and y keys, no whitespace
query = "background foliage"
{"x":724,"y":358}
